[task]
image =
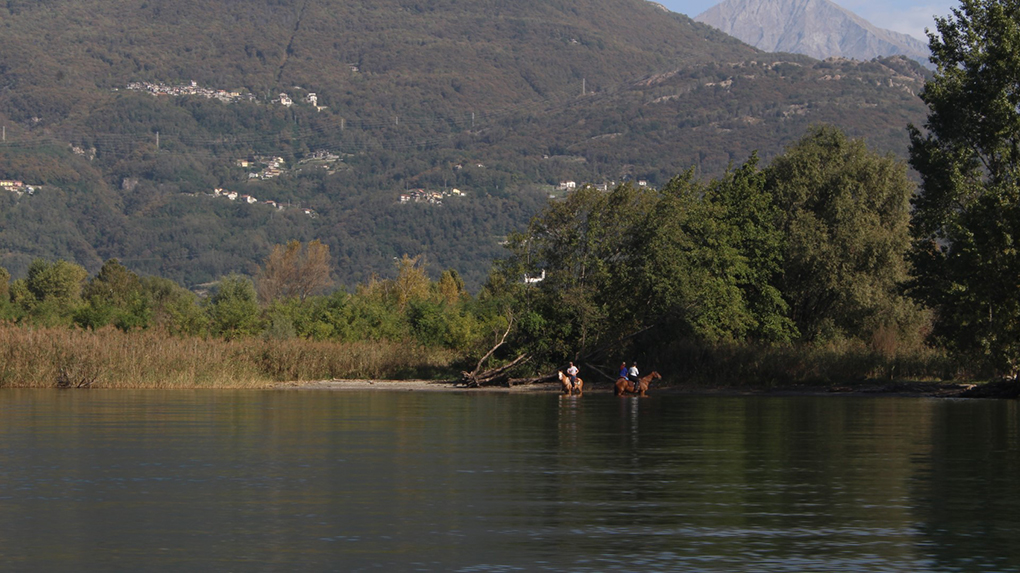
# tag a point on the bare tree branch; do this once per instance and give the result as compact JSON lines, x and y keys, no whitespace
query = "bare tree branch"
{"x":510,"y":325}
{"x":600,"y":372}
{"x":479,"y":377}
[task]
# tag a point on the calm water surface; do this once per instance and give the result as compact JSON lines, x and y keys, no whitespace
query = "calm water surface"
{"x":341,"y":481}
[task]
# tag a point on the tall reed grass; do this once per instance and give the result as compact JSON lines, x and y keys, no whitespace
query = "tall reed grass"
{"x":844,"y":362}
{"x":109,"y":358}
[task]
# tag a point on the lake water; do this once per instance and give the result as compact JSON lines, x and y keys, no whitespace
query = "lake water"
{"x":342,"y":481}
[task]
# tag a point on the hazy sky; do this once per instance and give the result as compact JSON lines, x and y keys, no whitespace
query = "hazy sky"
{"x":907,"y":16}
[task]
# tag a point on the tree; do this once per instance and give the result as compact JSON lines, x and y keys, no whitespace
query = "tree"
{"x":412,"y":282}
{"x":844,"y":213}
{"x":234,"y":308}
{"x":115,"y":296}
{"x":711,"y":254}
{"x":450,"y":288}
{"x":752,"y":217}
{"x":175,"y":309}
{"x":59,"y":281}
{"x":690,"y":264}
{"x":51,"y":291}
{"x":114,"y":285}
{"x":583,"y":250}
{"x":294,"y":271}
{"x":966,"y":218}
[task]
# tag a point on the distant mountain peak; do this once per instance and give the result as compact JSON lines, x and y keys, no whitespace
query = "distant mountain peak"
{"x":817,"y":28}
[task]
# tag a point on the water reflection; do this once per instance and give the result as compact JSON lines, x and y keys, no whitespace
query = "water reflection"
{"x":966,"y":514}
{"x":349,"y":481}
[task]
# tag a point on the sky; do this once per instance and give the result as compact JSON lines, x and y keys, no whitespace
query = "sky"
{"x":906,"y":16}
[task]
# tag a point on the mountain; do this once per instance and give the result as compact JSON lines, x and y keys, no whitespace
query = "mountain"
{"x":817,"y":28}
{"x":128,"y":114}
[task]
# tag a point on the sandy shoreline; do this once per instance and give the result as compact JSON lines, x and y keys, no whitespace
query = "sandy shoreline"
{"x":411,"y":386}
{"x":907,"y":389}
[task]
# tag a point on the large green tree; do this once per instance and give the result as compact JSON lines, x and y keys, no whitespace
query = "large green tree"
{"x":51,"y":291}
{"x":844,"y":213}
{"x":966,"y":219}
{"x":712,"y":254}
{"x":690,"y":261}
{"x":813,"y":246}
{"x":571,"y":279}
{"x":234,"y":308}
{"x":115,"y":295}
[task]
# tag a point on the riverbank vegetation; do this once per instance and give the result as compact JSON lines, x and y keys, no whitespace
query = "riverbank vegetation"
{"x":791,"y":273}
{"x":787,"y":274}
{"x":110,"y":358}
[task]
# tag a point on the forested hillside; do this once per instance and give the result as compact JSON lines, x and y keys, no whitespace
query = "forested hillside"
{"x":499,"y":100}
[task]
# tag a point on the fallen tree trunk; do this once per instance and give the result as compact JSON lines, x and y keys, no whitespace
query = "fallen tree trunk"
{"x":479,"y":377}
{"x":492,"y":376}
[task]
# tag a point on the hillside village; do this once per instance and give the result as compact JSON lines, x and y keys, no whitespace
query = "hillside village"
{"x":271,"y":166}
{"x":311,"y":99}
{"x":604,"y":186}
{"x":430,"y":197}
{"x":268,"y":167}
{"x":19,"y":188}
{"x":250,"y":200}
{"x":263,"y":167}
{"x":158,"y":89}
{"x":225,"y":96}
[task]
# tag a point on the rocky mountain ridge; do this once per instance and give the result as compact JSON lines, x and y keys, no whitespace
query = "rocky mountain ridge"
{"x":816,"y":28}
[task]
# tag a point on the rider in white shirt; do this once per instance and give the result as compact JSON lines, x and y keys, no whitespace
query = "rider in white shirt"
{"x":632,"y":373}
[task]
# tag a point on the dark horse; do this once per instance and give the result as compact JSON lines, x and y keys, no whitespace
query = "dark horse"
{"x":624,"y":386}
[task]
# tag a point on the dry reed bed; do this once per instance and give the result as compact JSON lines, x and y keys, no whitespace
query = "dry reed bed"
{"x":806,"y":364}
{"x":109,"y":358}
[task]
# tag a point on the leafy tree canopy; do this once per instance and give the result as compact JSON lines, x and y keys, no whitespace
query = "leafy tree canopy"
{"x":844,"y":214}
{"x":812,"y":246}
{"x":966,"y":218}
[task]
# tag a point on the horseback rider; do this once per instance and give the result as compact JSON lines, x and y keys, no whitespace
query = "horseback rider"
{"x":572,"y":372}
{"x":632,"y":374}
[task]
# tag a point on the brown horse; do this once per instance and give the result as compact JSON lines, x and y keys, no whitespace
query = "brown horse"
{"x":623,"y":385}
{"x":568,"y":388}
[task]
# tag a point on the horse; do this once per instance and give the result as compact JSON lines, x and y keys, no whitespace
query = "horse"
{"x":568,"y":388}
{"x":623,"y":385}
